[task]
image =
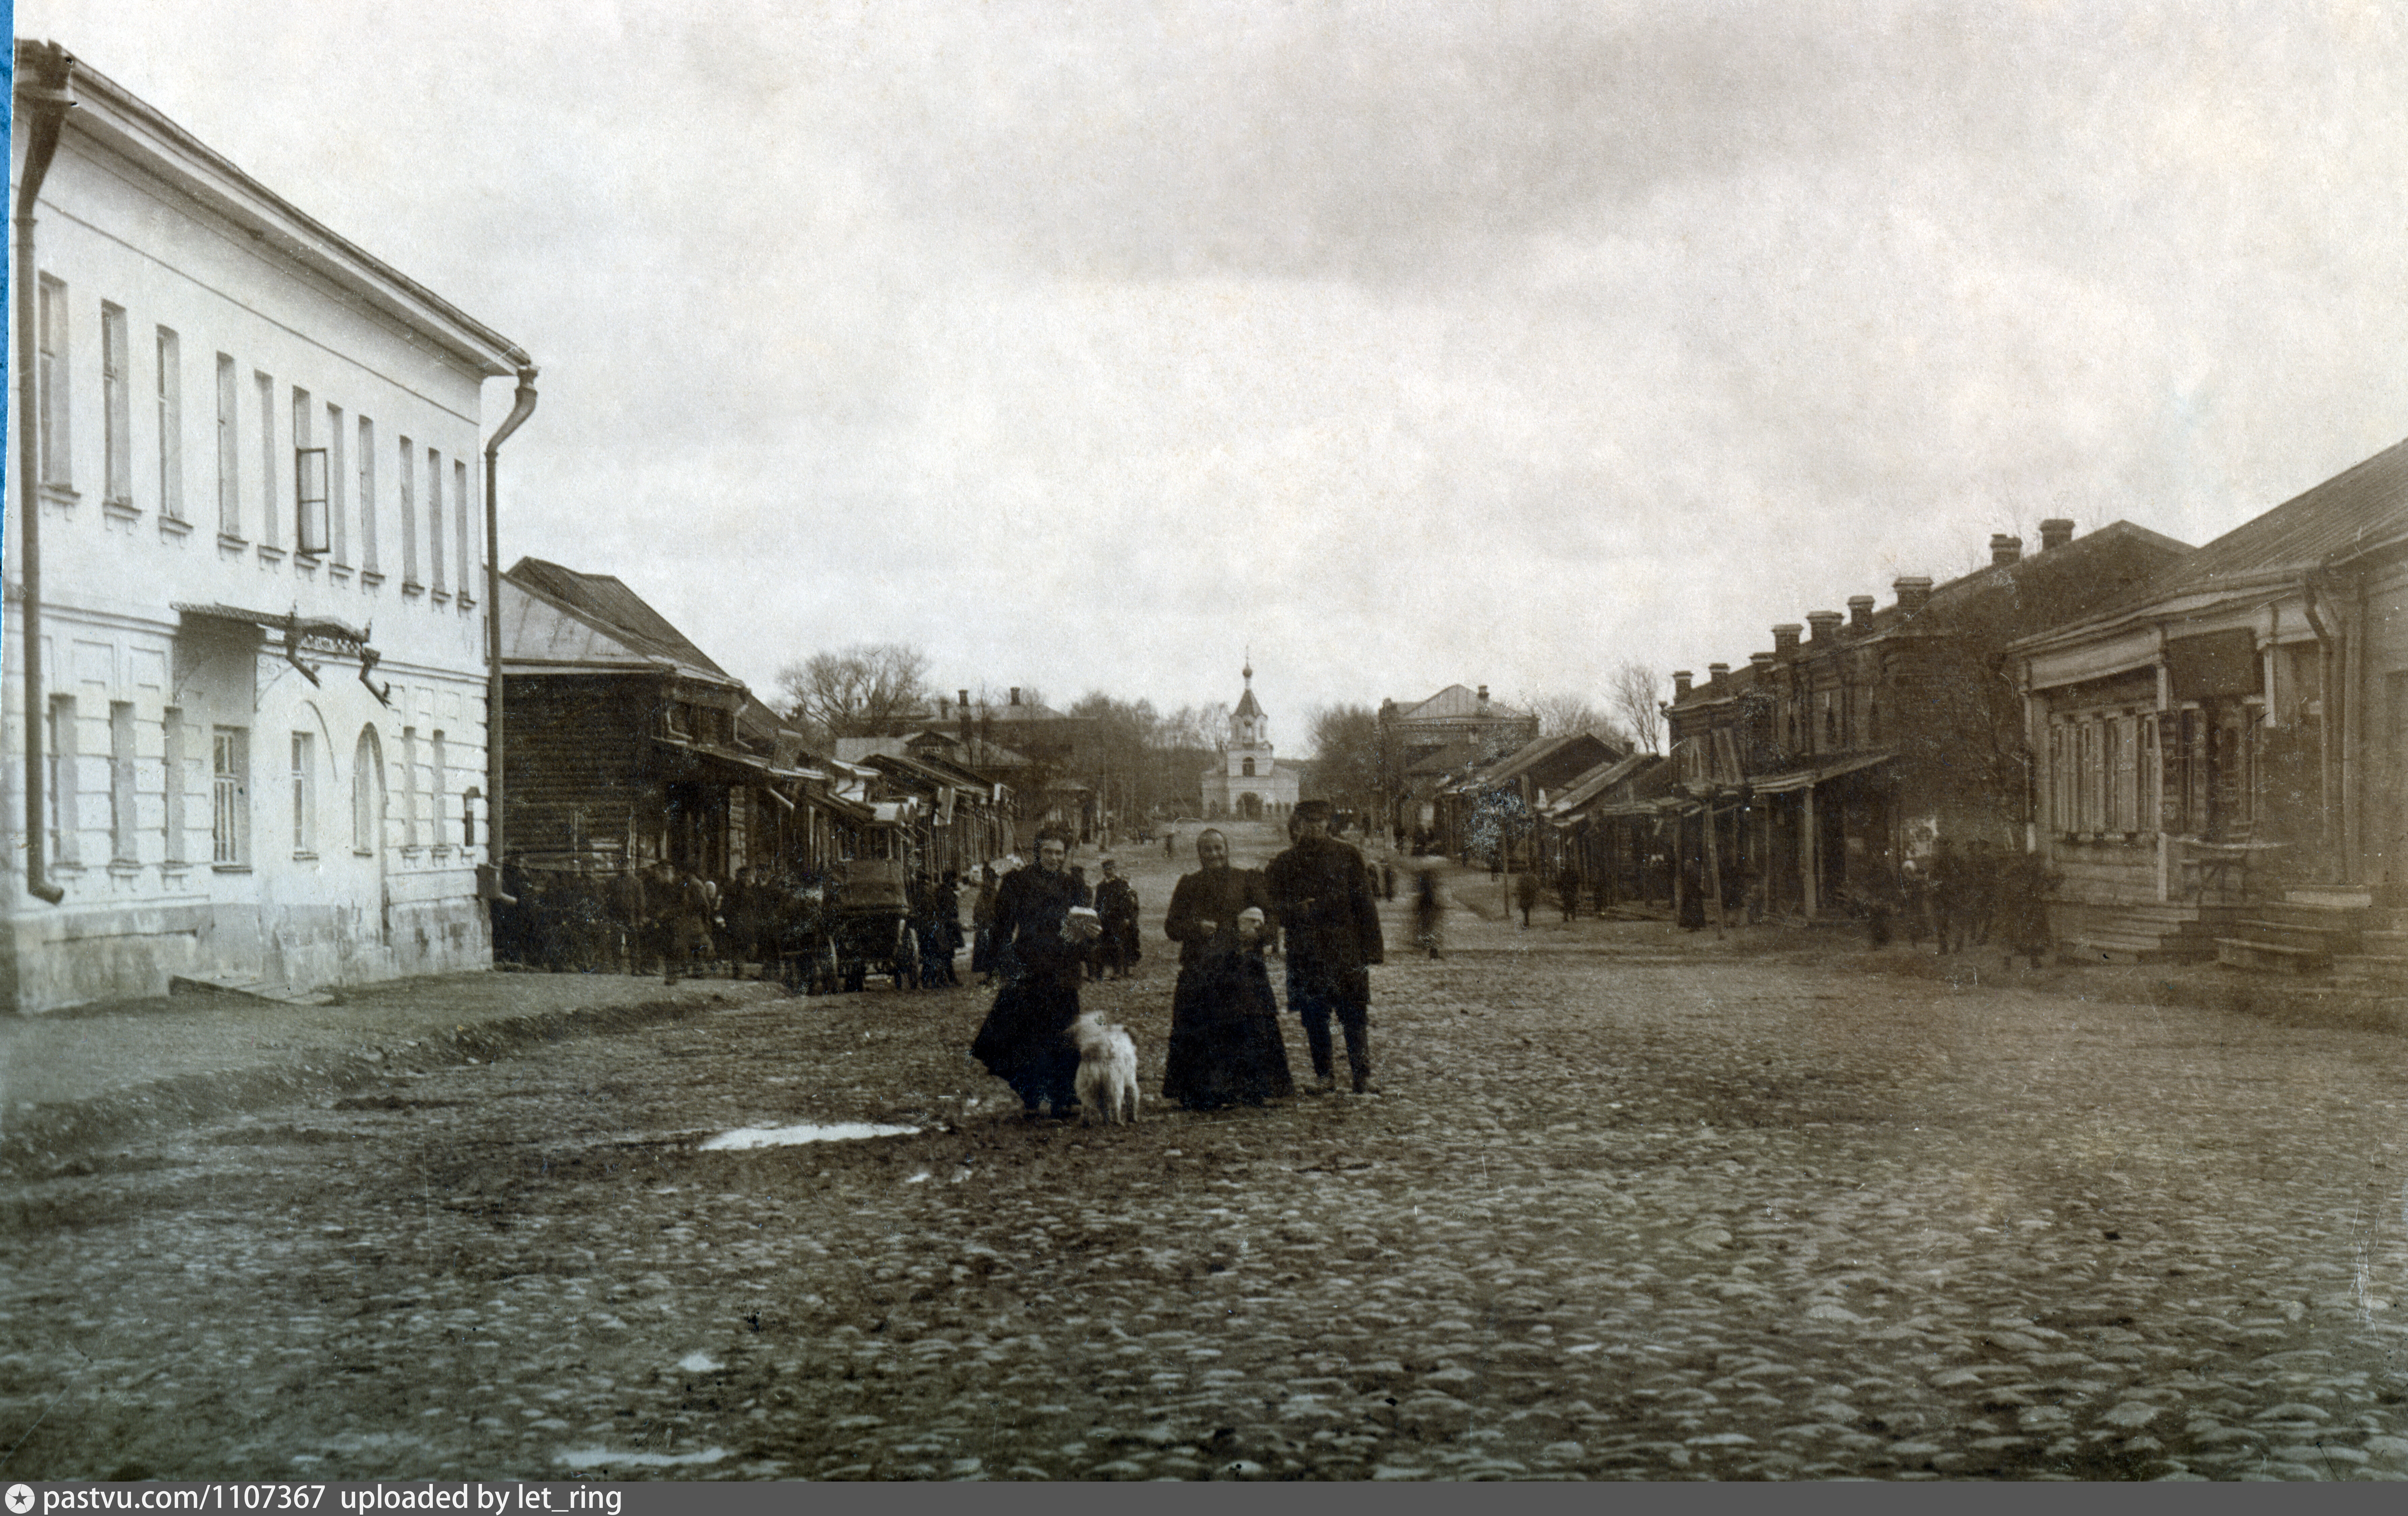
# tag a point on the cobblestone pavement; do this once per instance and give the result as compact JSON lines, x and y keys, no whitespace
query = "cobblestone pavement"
{"x":1622,"y":1211}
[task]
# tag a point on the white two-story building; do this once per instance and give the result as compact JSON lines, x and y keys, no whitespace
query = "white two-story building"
{"x":260,"y":698}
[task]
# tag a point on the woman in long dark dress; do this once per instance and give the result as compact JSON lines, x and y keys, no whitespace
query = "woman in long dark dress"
{"x":1040,"y":954}
{"x":1225,"y":1046}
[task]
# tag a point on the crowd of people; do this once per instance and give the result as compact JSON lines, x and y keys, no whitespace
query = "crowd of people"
{"x":593,"y":917}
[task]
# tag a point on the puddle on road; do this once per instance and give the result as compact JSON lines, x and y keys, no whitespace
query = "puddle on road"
{"x":597,"y":1457}
{"x":787,"y":1136}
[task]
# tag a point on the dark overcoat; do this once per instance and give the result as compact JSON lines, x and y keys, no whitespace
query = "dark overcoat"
{"x":1323,"y":899}
{"x":1026,"y":1041}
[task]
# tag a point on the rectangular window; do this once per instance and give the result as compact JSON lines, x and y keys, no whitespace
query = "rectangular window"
{"x":468,"y":583}
{"x":173,"y":751}
{"x":51,"y":336}
{"x":367,"y":496}
{"x":337,"y":482}
{"x":124,"y":846}
{"x":171,"y":428}
{"x":305,"y":829}
{"x":116,"y":411}
{"x":229,"y":452}
{"x":439,"y":791}
{"x":2125,"y":798}
{"x":309,"y":509}
{"x":434,"y":520}
{"x":61,"y":759}
{"x":230,"y":795}
{"x":268,"y":460}
{"x":409,"y":787}
{"x":408,"y":481}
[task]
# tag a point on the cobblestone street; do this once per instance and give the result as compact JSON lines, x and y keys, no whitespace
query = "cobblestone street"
{"x":1627,"y":1209}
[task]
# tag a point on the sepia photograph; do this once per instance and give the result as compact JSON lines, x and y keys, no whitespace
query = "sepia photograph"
{"x":909,"y":740}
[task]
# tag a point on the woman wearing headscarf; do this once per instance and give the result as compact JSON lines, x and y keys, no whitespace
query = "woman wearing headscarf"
{"x":1225,"y":1046}
{"x":1040,"y":949}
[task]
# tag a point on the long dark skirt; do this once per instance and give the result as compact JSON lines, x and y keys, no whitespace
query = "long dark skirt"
{"x":982,"y":951}
{"x":1226,"y":1045}
{"x":1026,"y":1041}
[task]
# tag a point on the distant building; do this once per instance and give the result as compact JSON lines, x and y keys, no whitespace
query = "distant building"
{"x":1427,"y":745}
{"x":1830,"y":760}
{"x":628,"y":746}
{"x":1249,"y":784}
{"x":261,"y":674}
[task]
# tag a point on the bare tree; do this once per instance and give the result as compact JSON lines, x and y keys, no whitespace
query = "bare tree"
{"x":1346,"y":757}
{"x":1570,"y":715}
{"x":1634,"y":700}
{"x":860,"y":690}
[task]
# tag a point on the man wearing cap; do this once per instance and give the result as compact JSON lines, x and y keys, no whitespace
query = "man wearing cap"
{"x":1323,"y":897}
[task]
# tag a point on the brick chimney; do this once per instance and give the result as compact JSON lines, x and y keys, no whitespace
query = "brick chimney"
{"x":2004,"y":549}
{"x":1826,"y":623}
{"x":1860,"y":613}
{"x":1784,"y":637}
{"x":2055,"y":533}
{"x":1015,"y":694}
{"x":1913,"y":593}
{"x":1483,"y":700}
{"x":1716,"y":673}
{"x":1679,"y":685}
{"x":965,"y":695}
{"x":1759,"y":660}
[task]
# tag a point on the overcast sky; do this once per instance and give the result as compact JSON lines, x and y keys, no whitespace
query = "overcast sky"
{"x":1084,"y":345}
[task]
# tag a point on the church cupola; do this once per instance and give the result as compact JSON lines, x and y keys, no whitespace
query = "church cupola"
{"x":1249,"y":727}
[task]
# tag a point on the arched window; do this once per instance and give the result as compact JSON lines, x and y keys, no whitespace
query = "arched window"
{"x":368,"y":791}
{"x":1250,"y":768}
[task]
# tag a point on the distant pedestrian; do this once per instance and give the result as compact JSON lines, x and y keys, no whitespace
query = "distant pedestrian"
{"x":1948,"y":887}
{"x":1914,"y":899}
{"x":949,"y":928}
{"x":1332,"y":925}
{"x":1526,"y":895}
{"x":983,"y":927}
{"x":1568,"y":890}
{"x":1429,"y":910}
{"x":685,"y":923}
{"x":1225,"y":1046}
{"x":1116,"y":907}
{"x":2024,"y":887}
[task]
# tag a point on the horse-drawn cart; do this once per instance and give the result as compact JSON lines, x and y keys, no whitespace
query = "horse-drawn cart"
{"x":868,"y":920}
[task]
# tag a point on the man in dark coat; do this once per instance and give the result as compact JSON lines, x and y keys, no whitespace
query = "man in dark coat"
{"x":1116,"y":907}
{"x":1225,"y":1046}
{"x":1039,"y":951}
{"x":1323,"y":899}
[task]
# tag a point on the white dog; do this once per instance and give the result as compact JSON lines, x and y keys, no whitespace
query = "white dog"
{"x":1107,"y":1069}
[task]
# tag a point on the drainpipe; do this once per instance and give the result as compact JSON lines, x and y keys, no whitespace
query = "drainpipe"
{"x":42,"y":106}
{"x":522,"y":407}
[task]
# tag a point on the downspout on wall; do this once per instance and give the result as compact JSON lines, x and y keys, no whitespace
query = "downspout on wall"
{"x":42,"y":106}
{"x":522,"y":407}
